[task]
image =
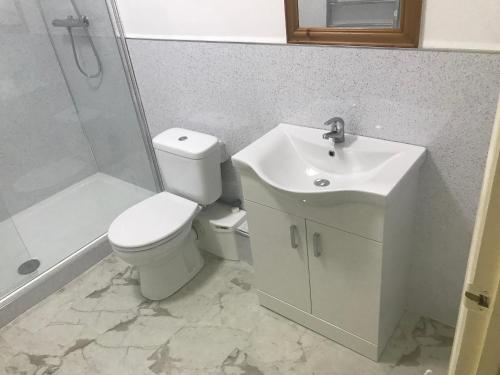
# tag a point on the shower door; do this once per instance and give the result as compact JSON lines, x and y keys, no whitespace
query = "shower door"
{"x":74,"y":149}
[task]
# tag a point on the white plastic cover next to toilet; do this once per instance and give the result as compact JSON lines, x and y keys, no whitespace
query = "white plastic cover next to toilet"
{"x":151,"y":221}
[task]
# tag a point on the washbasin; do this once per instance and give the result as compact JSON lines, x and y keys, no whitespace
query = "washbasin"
{"x":297,"y":160}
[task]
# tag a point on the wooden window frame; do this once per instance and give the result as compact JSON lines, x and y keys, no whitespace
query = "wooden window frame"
{"x":407,"y":36}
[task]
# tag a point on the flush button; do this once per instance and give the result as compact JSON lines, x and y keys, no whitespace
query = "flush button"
{"x":183,"y":138}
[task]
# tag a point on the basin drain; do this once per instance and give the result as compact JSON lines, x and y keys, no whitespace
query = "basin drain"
{"x":321,"y":182}
{"x":28,"y":267}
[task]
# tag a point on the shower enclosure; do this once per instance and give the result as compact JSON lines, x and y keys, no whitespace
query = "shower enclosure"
{"x":74,"y":147}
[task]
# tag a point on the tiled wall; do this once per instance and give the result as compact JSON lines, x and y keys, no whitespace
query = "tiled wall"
{"x":444,"y":101}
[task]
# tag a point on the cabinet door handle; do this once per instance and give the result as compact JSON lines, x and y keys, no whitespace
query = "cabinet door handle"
{"x":293,"y":236}
{"x":317,"y":245}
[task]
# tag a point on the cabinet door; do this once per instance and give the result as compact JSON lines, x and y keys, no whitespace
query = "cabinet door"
{"x":279,"y":252}
{"x":345,"y":274}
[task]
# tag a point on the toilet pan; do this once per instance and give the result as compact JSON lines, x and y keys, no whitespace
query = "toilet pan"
{"x":156,"y":236}
{"x":166,"y":267}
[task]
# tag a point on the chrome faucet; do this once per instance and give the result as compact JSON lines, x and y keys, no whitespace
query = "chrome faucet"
{"x":337,"y":132}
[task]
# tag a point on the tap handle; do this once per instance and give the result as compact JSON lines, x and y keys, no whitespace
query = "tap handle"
{"x":335,"y":122}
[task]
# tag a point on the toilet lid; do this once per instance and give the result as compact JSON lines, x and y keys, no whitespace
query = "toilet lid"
{"x":152,"y":220}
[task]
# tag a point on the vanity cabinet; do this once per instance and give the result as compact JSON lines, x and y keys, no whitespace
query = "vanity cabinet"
{"x":339,"y":269}
{"x":332,"y":233}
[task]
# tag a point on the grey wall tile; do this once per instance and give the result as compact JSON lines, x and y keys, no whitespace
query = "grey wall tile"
{"x":444,"y":101}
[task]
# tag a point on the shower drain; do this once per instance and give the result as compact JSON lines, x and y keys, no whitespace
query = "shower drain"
{"x":28,"y":267}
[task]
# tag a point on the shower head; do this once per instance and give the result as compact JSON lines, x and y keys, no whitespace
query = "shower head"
{"x":71,"y":22}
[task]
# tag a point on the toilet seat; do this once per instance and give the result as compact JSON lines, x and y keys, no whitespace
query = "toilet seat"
{"x":152,"y":222}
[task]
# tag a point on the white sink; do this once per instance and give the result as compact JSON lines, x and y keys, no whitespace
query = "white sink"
{"x":292,"y":158}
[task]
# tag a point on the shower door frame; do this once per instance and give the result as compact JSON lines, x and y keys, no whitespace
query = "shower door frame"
{"x":121,"y":42}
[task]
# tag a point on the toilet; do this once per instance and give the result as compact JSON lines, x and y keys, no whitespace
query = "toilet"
{"x":156,"y":234}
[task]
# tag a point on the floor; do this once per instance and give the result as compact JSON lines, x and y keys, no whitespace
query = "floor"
{"x":56,"y":227}
{"x":100,"y":324}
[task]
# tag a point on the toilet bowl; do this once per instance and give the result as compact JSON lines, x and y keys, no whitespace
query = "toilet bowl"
{"x":156,"y":234}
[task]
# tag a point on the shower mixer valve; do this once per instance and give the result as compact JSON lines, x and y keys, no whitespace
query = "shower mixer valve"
{"x":71,"y":22}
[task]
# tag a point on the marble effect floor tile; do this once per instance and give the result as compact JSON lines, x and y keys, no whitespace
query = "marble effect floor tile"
{"x":100,"y":324}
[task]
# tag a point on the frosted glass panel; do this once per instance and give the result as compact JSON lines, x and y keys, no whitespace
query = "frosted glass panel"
{"x":349,"y":13}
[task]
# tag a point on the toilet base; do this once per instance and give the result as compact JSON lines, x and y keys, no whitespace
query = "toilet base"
{"x":160,"y":281}
{"x":163,"y":271}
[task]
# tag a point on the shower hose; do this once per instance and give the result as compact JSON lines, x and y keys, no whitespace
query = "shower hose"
{"x":75,"y":55}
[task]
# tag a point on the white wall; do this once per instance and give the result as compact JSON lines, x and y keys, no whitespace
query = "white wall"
{"x":260,"y":21}
{"x":453,"y":24}
{"x":461,"y":24}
